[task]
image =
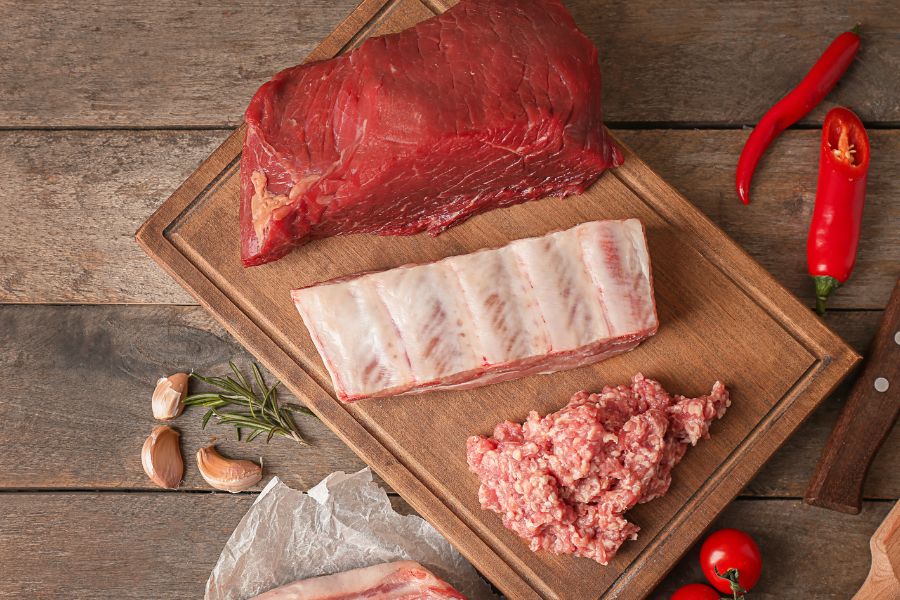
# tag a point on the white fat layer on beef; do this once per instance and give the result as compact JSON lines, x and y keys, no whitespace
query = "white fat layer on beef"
{"x":536,"y":305}
{"x":370,"y":354}
{"x":504,"y":310}
{"x":570,"y":306}
{"x":616,"y":257}
{"x":431,"y":317}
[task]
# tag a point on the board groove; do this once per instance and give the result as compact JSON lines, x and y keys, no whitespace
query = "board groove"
{"x":173,"y":239}
{"x":360,"y":36}
{"x":710,"y":257}
{"x":231,"y":169}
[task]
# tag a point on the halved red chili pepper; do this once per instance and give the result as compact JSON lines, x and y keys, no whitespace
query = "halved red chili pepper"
{"x":840,"y":195}
{"x":793,"y":107}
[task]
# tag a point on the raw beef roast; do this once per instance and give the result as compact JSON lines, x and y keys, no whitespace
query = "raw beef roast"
{"x":536,"y":305}
{"x":492,"y":103}
{"x":403,"y":580}
{"x":563,"y":481}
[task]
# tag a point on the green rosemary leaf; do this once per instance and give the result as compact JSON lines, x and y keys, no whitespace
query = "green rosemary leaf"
{"x":244,"y":421}
{"x":259,"y":381}
{"x":276,"y":413}
{"x":210,"y":400}
{"x":239,"y":376}
{"x":226,"y":383}
{"x":250,"y":406}
{"x":258,"y":408}
{"x":270,"y":395}
{"x":218,"y":382}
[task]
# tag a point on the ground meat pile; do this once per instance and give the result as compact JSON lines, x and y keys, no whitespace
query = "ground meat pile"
{"x":563,"y":481}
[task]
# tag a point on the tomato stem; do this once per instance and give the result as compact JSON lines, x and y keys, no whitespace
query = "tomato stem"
{"x":732,"y":576}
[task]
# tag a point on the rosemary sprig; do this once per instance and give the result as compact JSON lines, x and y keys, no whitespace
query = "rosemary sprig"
{"x":262,"y":413}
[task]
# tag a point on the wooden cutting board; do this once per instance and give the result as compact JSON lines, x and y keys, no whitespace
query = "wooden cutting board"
{"x":722,"y":317}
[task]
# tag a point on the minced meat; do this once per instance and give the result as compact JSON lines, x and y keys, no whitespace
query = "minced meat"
{"x":562,"y":482}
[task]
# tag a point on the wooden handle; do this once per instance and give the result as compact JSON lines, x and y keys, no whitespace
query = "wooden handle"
{"x":883,"y":582}
{"x":865,"y":421}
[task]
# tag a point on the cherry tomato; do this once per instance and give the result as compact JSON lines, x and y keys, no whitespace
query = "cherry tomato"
{"x":695,"y":591}
{"x":730,"y":549}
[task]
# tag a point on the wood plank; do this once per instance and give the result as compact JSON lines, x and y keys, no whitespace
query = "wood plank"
{"x":142,"y":64}
{"x":774,"y":226}
{"x":171,"y":63}
{"x":81,"y":196}
{"x":121,"y":350}
{"x":113,"y":180}
{"x":140,"y":548}
{"x":807,"y":552}
{"x":82,"y":389}
{"x":789,"y":471}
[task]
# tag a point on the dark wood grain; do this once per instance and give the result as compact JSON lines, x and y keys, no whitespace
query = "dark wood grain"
{"x":95,"y":188}
{"x":140,"y":64}
{"x":80,"y":390}
{"x":142,"y":545}
{"x":79,"y":381}
{"x":163,"y":546}
{"x":726,"y":63}
{"x":170,"y":63}
{"x":808,"y":552}
{"x":80,"y":196}
{"x":864,"y":423}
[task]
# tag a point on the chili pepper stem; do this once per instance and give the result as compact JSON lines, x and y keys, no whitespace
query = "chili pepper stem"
{"x":824,"y":286}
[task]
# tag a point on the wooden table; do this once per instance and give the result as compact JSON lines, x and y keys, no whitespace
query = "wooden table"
{"x":105,"y":107}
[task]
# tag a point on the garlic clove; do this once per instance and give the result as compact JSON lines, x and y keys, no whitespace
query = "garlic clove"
{"x":161,"y":457}
{"x":168,"y":397}
{"x":227,"y":474}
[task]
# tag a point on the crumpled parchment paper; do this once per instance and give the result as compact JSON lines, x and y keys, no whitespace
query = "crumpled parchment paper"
{"x":345,"y":522}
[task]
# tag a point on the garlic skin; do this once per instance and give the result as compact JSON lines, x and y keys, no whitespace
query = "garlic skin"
{"x":168,"y":397}
{"x":227,"y":474}
{"x":161,"y":457}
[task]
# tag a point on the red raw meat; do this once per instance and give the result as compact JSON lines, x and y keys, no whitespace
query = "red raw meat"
{"x":402,"y":580}
{"x":563,"y":481}
{"x":492,"y":103}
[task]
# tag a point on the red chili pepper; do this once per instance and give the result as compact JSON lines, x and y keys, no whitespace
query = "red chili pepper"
{"x":840,"y":195}
{"x":793,"y":107}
